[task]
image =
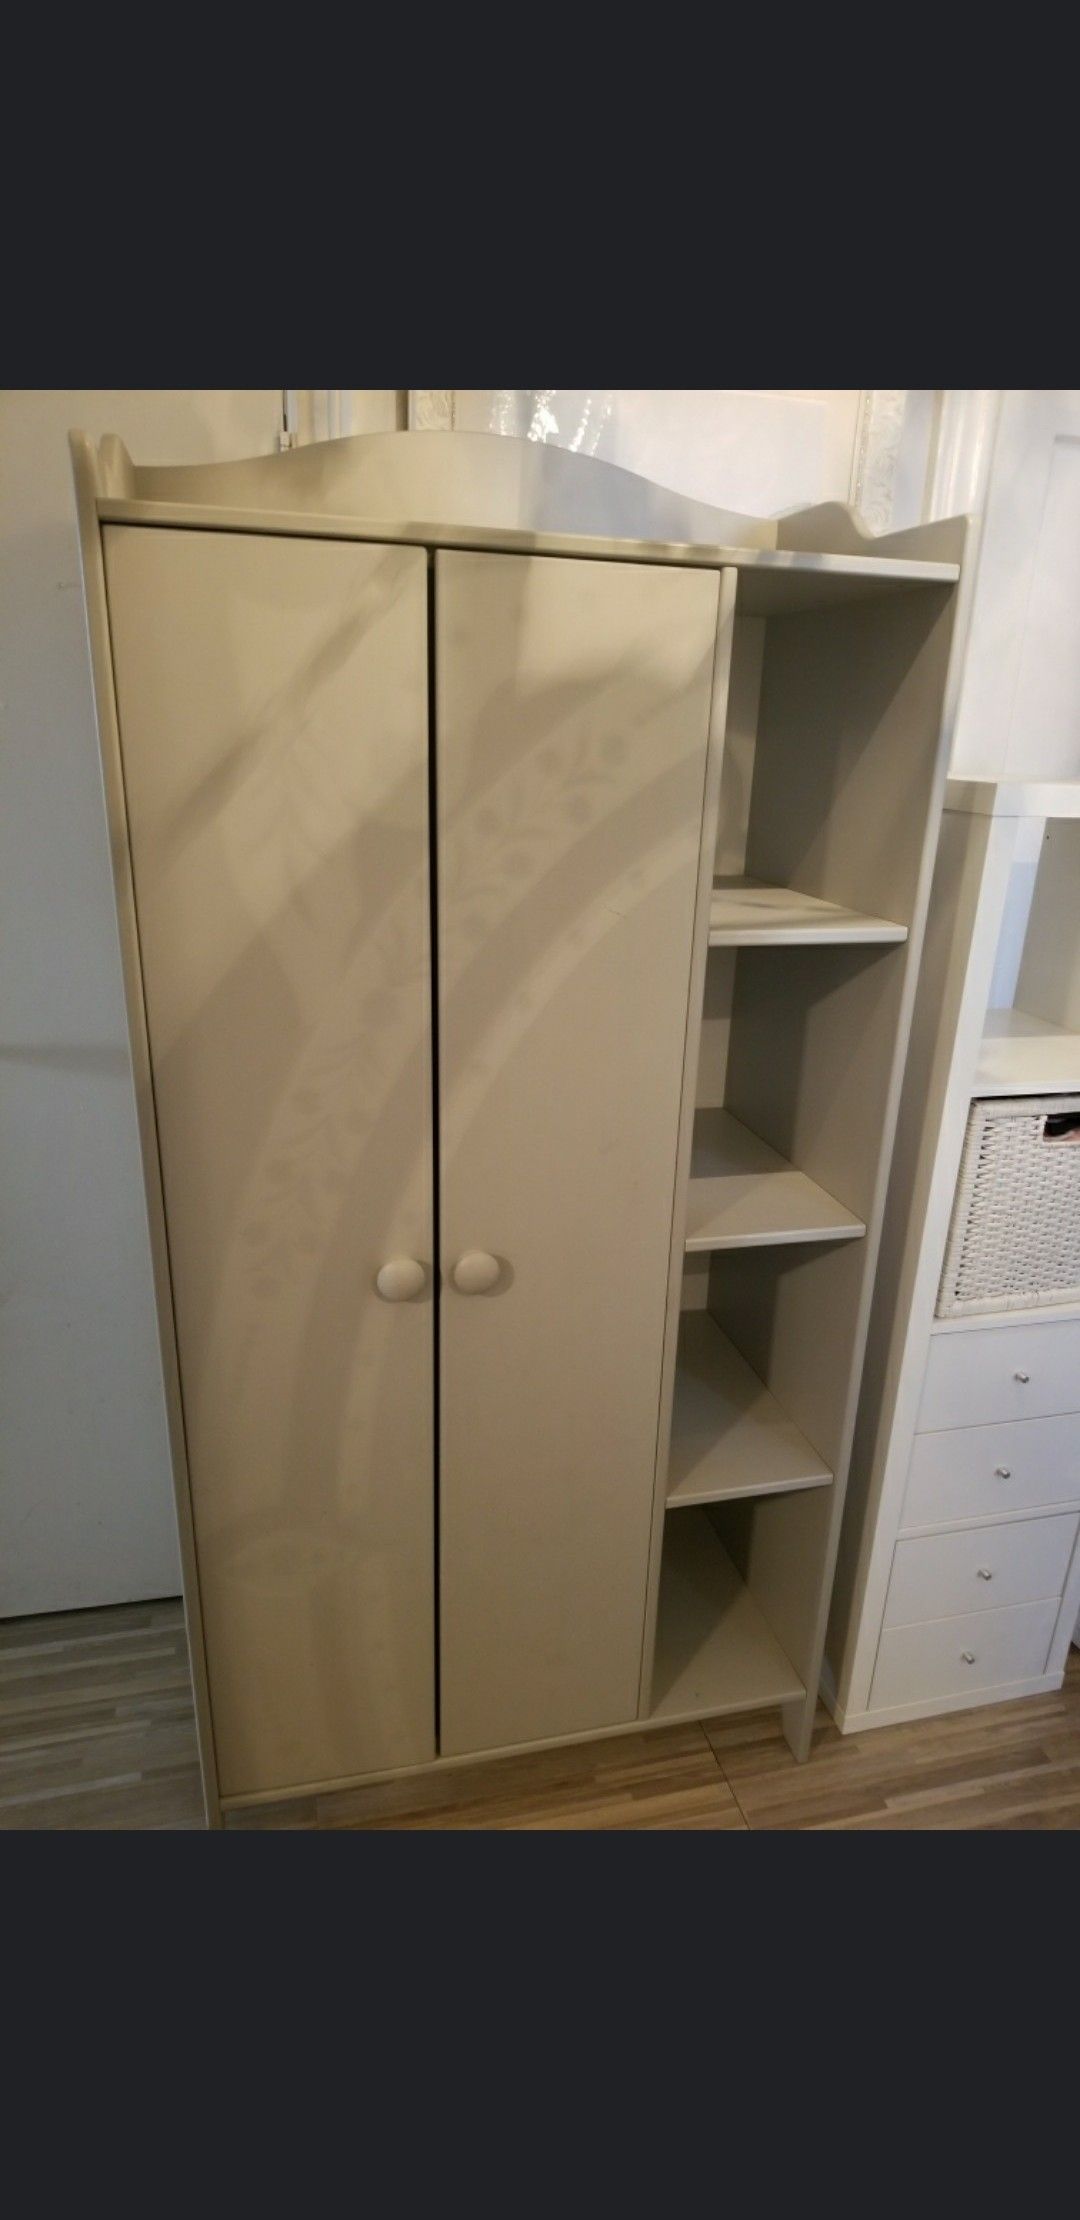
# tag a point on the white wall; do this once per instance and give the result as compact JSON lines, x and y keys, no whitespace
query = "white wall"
{"x":756,"y":450}
{"x":1019,"y":712}
{"x":85,"y":1503}
{"x":86,"y":1510}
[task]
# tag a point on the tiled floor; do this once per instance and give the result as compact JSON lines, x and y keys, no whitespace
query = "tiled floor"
{"x":96,"y":1732}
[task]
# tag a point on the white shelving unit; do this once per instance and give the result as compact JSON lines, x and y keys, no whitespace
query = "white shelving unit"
{"x":810,"y":933}
{"x":959,"y":1573}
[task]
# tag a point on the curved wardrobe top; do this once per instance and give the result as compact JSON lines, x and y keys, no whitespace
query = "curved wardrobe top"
{"x":481,"y":490}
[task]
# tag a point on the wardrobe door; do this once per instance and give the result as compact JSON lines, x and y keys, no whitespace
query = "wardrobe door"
{"x":572,"y":718}
{"x":272,"y":697}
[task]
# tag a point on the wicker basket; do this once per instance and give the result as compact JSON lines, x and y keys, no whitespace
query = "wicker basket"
{"x":1014,"y":1240}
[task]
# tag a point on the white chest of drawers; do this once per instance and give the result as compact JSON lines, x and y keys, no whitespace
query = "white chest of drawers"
{"x":959,"y":1578}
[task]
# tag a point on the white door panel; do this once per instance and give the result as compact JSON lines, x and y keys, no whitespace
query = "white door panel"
{"x":572,"y":712}
{"x":273,"y":715}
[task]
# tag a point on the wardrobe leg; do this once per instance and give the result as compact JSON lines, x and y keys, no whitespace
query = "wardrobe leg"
{"x":797,"y":1719}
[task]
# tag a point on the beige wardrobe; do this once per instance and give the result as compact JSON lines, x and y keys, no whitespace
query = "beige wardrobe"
{"x":415,"y":829}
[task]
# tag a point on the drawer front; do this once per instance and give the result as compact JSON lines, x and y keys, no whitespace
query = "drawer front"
{"x":975,"y":1472}
{"x":954,"y":1656}
{"x":988,"y":1377}
{"x":984,"y":1568}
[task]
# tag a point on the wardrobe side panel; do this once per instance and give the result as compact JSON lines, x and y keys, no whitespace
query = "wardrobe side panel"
{"x":272,"y":698}
{"x":572,"y":717}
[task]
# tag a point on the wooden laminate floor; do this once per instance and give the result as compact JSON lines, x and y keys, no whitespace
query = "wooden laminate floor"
{"x":96,"y":1732}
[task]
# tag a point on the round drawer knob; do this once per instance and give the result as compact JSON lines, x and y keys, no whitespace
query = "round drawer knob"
{"x":400,"y":1278}
{"x":1004,"y":1472}
{"x":475,"y":1272}
{"x":1023,"y":1377}
{"x":968,"y":1656}
{"x":985,"y":1573}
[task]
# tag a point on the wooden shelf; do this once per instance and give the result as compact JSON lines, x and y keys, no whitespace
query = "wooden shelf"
{"x":729,"y":1436}
{"x":746,"y":913}
{"x":714,"y":1651}
{"x":1023,"y":1055}
{"x":742,"y":1194}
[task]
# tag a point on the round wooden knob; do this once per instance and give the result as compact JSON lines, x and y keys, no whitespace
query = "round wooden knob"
{"x":400,"y":1278}
{"x":475,"y":1272}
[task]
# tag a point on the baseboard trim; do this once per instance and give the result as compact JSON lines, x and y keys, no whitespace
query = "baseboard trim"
{"x":895,"y":1715}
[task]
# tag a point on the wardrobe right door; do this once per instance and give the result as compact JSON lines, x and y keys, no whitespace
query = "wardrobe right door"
{"x":571,"y":736}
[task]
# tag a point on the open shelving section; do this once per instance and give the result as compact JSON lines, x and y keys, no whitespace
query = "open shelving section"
{"x":745,"y":913}
{"x":715,"y":1651}
{"x":729,"y":1436}
{"x":810,"y":925}
{"x":743,"y":1193}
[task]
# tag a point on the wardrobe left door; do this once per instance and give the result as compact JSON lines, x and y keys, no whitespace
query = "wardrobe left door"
{"x":273,"y":709}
